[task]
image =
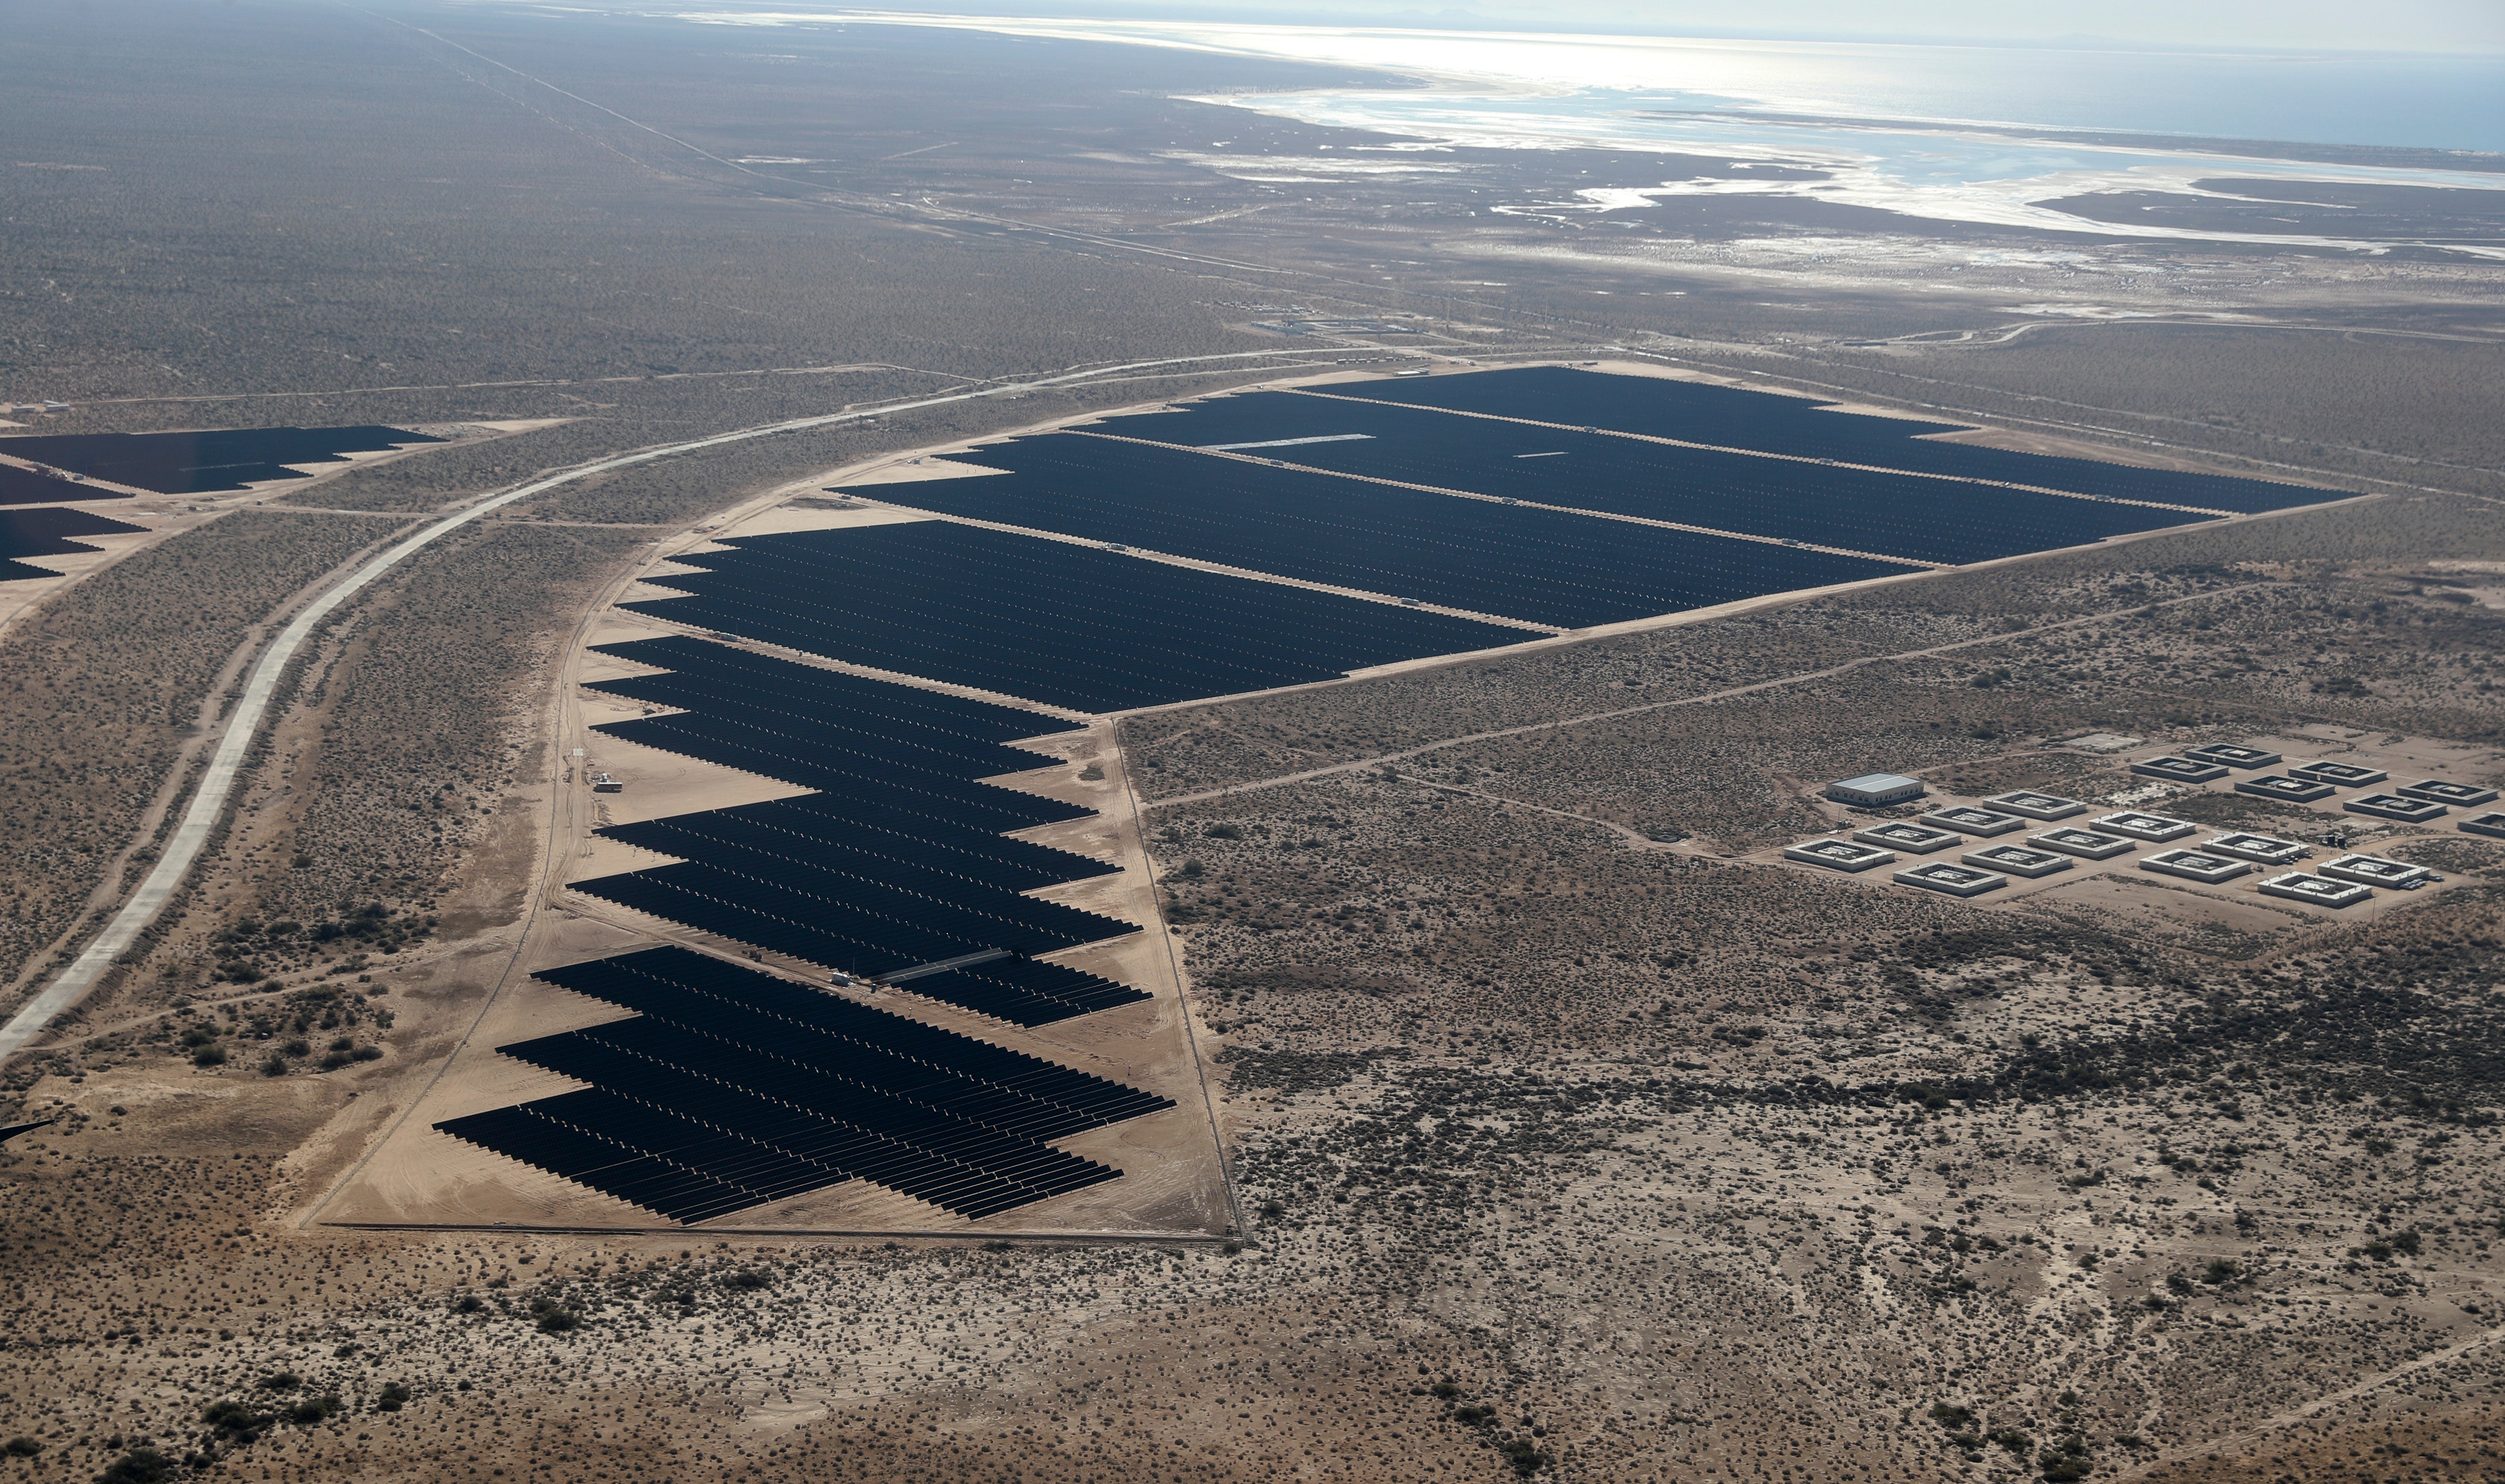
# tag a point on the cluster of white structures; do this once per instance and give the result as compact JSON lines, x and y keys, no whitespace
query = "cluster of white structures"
{"x":1990,"y":861}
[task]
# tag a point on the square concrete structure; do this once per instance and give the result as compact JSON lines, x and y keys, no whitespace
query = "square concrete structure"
{"x":1872,"y":790}
{"x":2035,"y":805}
{"x":2320,"y":890}
{"x":1841,"y":854}
{"x":2193,"y":866}
{"x":2087,"y":844}
{"x":2017,"y":860}
{"x":2279,"y":787}
{"x":2180,"y":770}
{"x":1967,"y":819}
{"x":1907,"y":836}
{"x":2139,"y":826}
{"x":2339,"y":774}
{"x":2437,"y":791}
{"x":2265,"y":850}
{"x":2232,"y":756}
{"x":2490,"y":824}
{"x":2375,"y":871}
{"x":1955,"y":881}
{"x":2395,"y":807}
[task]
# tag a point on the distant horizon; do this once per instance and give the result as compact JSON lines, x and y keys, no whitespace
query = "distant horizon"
{"x":2432,"y":33}
{"x":1556,"y":86}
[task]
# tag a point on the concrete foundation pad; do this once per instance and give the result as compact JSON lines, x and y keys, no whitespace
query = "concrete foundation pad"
{"x":2087,"y":844}
{"x":2138,"y":826}
{"x":2193,"y":866}
{"x":2180,"y":770}
{"x":2288,"y":790}
{"x":2375,"y":871}
{"x":2320,"y":890}
{"x":2262,"y":849}
{"x":2035,"y":805}
{"x":2394,"y":807}
{"x":1966,"y":819}
{"x":2232,"y":756}
{"x":1840,"y":854}
{"x":1907,"y":836}
{"x":1955,"y":881}
{"x":2017,"y":860}
{"x":2438,"y":791}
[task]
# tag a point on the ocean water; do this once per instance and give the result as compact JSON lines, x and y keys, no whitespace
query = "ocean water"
{"x":1905,"y":128}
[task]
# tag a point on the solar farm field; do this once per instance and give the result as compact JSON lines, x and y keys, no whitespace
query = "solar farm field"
{"x":203,"y":463}
{"x":731,"y":1088}
{"x":45,"y":532}
{"x":32,"y":487}
{"x":1732,"y":417}
{"x":1590,"y":572}
{"x":898,"y":864}
{"x":1068,"y":626}
{"x":1546,"y":567}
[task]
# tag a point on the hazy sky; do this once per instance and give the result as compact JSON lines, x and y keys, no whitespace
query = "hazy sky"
{"x":2385,"y":26}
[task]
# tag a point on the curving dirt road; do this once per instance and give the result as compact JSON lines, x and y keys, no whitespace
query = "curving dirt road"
{"x":243,"y":725}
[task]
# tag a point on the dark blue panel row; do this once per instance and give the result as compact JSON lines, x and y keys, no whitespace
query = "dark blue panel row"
{"x":813,"y":739}
{"x":646,"y":979}
{"x":1071,"y":626}
{"x":1897,"y":515}
{"x":812,"y":928}
{"x":742,"y":848}
{"x":197,"y":463}
{"x":828,"y":696}
{"x":28,"y":487}
{"x":45,"y":533}
{"x":912,"y":839}
{"x":637,"y":1154}
{"x":1542,"y":566}
{"x":1733,"y":417}
{"x":844,"y":773}
{"x":733,"y":1088}
{"x":1024,"y":991}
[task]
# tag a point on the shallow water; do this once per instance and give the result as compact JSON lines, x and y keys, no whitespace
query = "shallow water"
{"x":1898,"y":123}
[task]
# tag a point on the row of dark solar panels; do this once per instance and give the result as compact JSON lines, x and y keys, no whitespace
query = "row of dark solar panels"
{"x":1730,"y":417}
{"x":1049,"y":621}
{"x":184,"y":462}
{"x":896,"y":864}
{"x":38,"y":487}
{"x":731,"y":1088}
{"x":1150,"y":481}
{"x":46,"y":534}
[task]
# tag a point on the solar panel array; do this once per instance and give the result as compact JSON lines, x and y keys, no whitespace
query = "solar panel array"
{"x":1890,"y":514}
{"x":1732,"y":417}
{"x":205,"y":462}
{"x":45,"y":532}
{"x":896,"y":863}
{"x":1065,"y":625}
{"x":35,"y":487}
{"x":1545,"y":566}
{"x":729,"y":1089}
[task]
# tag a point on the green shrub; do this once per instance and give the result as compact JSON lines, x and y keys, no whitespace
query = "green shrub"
{"x":209,"y":1056}
{"x":140,"y":1466}
{"x":235,"y":1421}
